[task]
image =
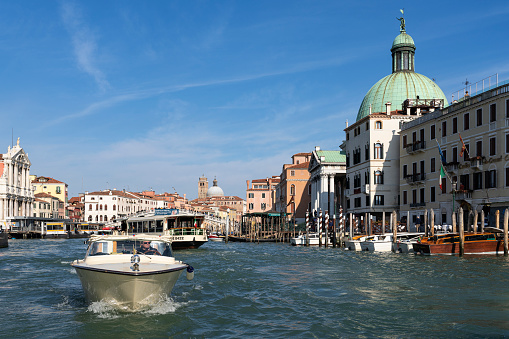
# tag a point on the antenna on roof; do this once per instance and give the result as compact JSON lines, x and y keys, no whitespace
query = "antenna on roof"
{"x":466,"y":82}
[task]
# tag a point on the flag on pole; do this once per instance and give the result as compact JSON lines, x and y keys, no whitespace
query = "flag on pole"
{"x":463,"y":147}
{"x":442,"y":175}
{"x":442,"y":157}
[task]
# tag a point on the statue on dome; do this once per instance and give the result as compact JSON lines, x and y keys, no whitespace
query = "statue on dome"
{"x":402,"y":21}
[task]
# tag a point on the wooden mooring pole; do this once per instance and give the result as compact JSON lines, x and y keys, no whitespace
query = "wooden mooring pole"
{"x":497,"y":219}
{"x":476,"y":215}
{"x":506,"y":221}
{"x":462,"y":232}
{"x":482,"y":221}
{"x":432,"y":223}
{"x":394,"y":230}
{"x":454,"y":228}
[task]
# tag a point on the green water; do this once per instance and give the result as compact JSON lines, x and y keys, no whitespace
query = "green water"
{"x":264,"y":291}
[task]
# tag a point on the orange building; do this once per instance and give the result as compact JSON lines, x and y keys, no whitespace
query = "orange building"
{"x":293,"y":191}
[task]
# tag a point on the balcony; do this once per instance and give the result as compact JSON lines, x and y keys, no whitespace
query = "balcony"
{"x":452,"y":166}
{"x":417,"y":204}
{"x":416,"y":178}
{"x":417,"y":146}
{"x":493,"y":125}
{"x":463,"y":194}
{"x":476,"y":162}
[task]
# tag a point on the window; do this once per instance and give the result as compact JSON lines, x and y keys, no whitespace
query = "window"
{"x":405,"y":170}
{"x":251,"y":195}
{"x":466,"y":121}
{"x":101,"y":207}
{"x":263,"y":195}
{"x":292,"y":190}
{"x":357,"y":202}
{"x":444,"y":185}
{"x":432,"y":194}
{"x":367,"y":126}
{"x":379,"y":151}
{"x":379,"y":177}
{"x":493,"y":112}
{"x":379,"y":200}
{"x":96,"y":208}
{"x":378,"y":125}
{"x":477,"y":178}
{"x":478,"y":150}
{"x":414,"y":196}
{"x":507,"y":142}
{"x":464,"y":182}
{"x":493,"y":146}
{"x":89,"y":218}
{"x":90,"y":207}
{"x":251,"y":206}
{"x":432,"y":168}
{"x":309,"y":189}
{"x":59,"y":190}
{"x":366,"y":177}
{"x":454,"y":125}
{"x":466,"y":153}
{"x":478,"y":116}
{"x":366,"y":152}
{"x":405,"y":198}
{"x":432,"y":132}
{"x":444,"y":129}
{"x":421,"y":193}
{"x":507,"y":108}
{"x":367,"y":201}
{"x":264,"y":206}
{"x":105,"y":207}
{"x":507,"y":176}
{"x":455,"y":154}
{"x":292,"y":173}
{"x":404,"y":141}
{"x":114,"y":207}
{"x":490,"y":179}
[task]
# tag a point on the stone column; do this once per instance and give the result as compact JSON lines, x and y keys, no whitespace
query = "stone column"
{"x":332,"y":207}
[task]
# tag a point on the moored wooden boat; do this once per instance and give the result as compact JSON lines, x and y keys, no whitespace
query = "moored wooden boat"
{"x":449,"y":243}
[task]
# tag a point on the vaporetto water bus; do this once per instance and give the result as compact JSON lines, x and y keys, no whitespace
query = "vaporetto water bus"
{"x":184,"y":228}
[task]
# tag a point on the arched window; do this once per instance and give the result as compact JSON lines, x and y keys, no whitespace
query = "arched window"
{"x":89,"y":218}
{"x":292,"y":190}
{"x":90,"y":207}
{"x":105,"y":207}
{"x":101,"y":218}
{"x":105,"y":218}
{"x":101,"y":207}
{"x":114,"y":207}
{"x":96,"y":207}
{"x":378,"y":125}
{"x":96,"y":218}
{"x":379,"y":177}
{"x":379,"y":149}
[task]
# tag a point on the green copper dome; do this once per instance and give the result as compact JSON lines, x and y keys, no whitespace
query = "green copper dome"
{"x":402,"y":84}
{"x":403,"y":40}
{"x":396,"y":88}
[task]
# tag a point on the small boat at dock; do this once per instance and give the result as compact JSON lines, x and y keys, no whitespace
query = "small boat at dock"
{"x":132,"y":272}
{"x":311,"y":239}
{"x":449,"y":243}
{"x":216,"y":237}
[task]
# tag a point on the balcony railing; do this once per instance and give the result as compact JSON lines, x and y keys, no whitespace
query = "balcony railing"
{"x":476,"y":162}
{"x":418,"y":204}
{"x":415,"y":178}
{"x":417,"y":146}
{"x":463,"y":194}
{"x":452,"y":166}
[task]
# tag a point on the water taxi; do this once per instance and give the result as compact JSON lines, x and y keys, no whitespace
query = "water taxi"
{"x":130,"y":272}
{"x":184,"y":229}
{"x":311,"y":239}
{"x":449,"y":243}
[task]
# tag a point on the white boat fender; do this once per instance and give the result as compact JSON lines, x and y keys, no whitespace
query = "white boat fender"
{"x":190,"y":272}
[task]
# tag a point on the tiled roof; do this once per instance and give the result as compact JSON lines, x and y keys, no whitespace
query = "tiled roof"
{"x":46,"y":180}
{"x":43,"y":195}
{"x":302,"y":165}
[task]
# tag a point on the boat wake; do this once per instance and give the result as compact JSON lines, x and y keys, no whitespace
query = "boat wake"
{"x":111,"y":309}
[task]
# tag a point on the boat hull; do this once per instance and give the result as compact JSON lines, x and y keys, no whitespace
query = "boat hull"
{"x":475,"y":247}
{"x":376,"y":246}
{"x":353,"y":245}
{"x":128,"y":290}
{"x":4,"y":242}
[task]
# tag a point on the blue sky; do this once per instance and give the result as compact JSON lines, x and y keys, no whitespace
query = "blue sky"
{"x":153,"y":94}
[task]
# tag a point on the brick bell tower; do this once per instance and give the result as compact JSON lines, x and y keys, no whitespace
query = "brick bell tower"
{"x":203,"y":187}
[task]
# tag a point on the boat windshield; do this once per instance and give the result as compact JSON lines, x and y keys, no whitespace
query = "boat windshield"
{"x":149,"y":247}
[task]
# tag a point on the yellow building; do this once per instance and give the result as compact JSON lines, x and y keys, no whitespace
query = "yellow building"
{"x":53,"y":187}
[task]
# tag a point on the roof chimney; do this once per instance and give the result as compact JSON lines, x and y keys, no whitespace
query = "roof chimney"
{"x":317,"y":148}
{"x":388,"y":108}
{"x":247,"y":181}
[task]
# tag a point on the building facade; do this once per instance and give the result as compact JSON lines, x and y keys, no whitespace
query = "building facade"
{"x":473,"y":136}
{"x":261,"y":194}
{"x":16,"y":194}
{"x":53,"y":187}
{"x":327,"y":176}
{"x":293,"y":192}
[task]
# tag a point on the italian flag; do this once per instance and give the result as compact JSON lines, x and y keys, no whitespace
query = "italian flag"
{"x":442,"y":175}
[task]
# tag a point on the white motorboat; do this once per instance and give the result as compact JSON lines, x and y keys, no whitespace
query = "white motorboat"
{"x":216,"y":237}
{"x":384,"y":243}
{"x":406,"y":245}
{"x":355,"y":243}
{"x":130,"y":271}
{"x":313,"y":239}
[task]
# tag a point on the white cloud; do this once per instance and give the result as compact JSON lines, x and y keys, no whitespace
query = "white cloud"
{"x":84,"y":43}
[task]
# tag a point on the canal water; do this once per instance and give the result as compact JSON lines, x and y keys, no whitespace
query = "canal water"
{"x":264,"y":291}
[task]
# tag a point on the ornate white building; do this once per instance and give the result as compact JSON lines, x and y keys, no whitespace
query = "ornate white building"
{"x":16,"y":194}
